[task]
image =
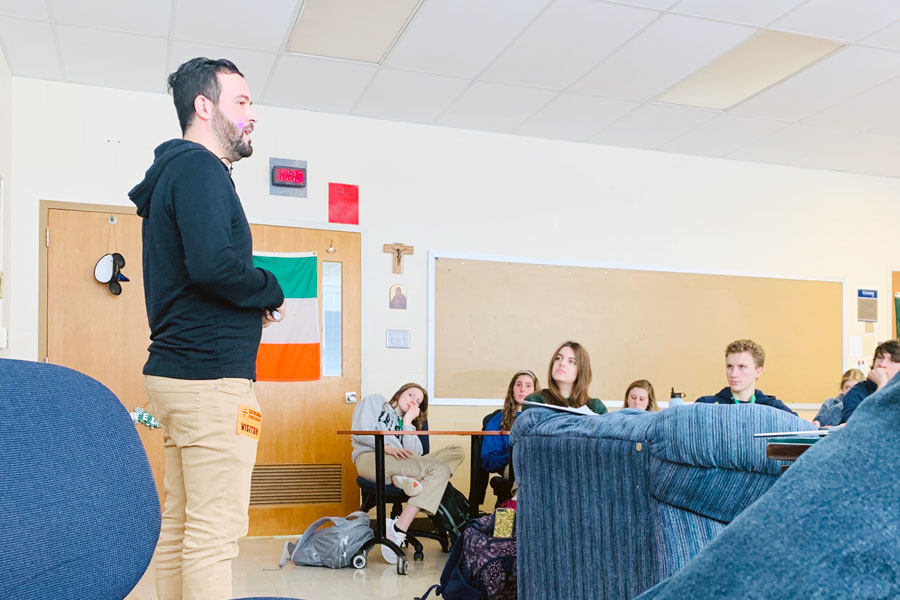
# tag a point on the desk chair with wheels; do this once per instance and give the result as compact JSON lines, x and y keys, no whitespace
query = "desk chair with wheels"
{"x":80,"y":510}
{"x":395,"y":497}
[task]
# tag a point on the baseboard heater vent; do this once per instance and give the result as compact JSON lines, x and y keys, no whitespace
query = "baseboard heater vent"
{"x":295,"y":483}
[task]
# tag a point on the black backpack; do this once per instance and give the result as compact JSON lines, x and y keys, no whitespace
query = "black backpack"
{"x":480,"y":566}
{"x":452,"y":514}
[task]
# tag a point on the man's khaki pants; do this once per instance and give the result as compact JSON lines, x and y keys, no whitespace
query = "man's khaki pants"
{"x":207,"y":482}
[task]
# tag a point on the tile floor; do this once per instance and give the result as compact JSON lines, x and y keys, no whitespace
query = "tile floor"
{"x":255,"y":573}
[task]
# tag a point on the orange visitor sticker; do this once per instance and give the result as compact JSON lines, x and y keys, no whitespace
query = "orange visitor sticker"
{"x":249,"y":422}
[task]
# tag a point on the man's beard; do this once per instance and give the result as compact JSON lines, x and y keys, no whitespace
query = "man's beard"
{"x":231,"y":138}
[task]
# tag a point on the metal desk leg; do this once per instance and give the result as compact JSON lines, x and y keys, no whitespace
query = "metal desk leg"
{"x":473,"y":467}
{"x":379,"y":488}
{"x":380,"y":511}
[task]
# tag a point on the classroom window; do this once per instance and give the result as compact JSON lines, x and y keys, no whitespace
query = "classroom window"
{"x":331,"y":317}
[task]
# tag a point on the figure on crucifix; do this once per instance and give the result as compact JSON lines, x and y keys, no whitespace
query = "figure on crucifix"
{"x":398,"y":250}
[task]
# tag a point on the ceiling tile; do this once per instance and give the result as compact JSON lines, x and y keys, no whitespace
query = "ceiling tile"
{"x":407,"y":96}
{"x":833,"y":148}
{"x":149,"y":18}
{"x":878,"y":107}
{"x":494,"y":107}
{"x":875,"y":154}
{"x":793,"y":143}
{"x":112,"y":59}
{"x":889,"y":37}
{"x":576,"y":118}
{"x":847,"y":20}
{"x":659,"y":57}
{"x":660,"y":4}
{"x":236,"y":22}
{"x":30,"y":50}
{"x":27,"y":9}
{"x":256,"y":66}
{"x":833,"y":79}
{"x":757,"y":12}
{"x":321,"y":84}
{"x":460,"y":37}
{"x":566,"y":41}
{"x":722,"y":135}
{"x":652,"y":125}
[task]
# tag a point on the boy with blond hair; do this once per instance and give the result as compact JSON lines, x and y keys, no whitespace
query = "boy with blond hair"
{"x":744,"y":361}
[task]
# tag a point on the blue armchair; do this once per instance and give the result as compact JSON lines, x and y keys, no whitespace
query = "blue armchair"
{"x":610,"y":505}
{"x":79,"y":511}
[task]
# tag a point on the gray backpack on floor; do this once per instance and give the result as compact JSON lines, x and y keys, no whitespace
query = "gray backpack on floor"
{"x":332,"y":547}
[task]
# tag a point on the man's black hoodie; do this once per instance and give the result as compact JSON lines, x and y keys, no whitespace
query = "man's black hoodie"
{"x":204,"y":297}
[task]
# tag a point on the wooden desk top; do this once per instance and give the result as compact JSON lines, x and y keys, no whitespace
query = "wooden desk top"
{"x":789,"y":451}
{"x":428,"y":432}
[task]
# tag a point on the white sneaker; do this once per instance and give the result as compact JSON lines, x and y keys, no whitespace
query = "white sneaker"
{"x":396,"y":537}
{"x":411,"y":487}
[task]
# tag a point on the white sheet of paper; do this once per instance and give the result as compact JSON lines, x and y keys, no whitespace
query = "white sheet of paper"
{"x":581,"y":410}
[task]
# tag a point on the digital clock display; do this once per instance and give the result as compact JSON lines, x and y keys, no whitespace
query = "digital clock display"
{"x":289,"y":176}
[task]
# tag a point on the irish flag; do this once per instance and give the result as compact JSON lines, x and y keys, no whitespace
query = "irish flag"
{"x":289,"y":351}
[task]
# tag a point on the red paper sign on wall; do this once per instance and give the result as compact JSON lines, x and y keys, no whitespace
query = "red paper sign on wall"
{"x":343,"y":203}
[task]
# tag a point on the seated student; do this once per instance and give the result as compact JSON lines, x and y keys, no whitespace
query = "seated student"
{"x":569,"y":377}
{"x":830,"y":412}
{"x":640,"y":395}
{"x":495,"y":448}
{"x":744,"y":360}
{"x":885,"y":364}
{"x":422,"y":478}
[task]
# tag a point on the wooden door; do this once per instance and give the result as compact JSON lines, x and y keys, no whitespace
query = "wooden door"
{"x":89,"y":329}
{"x":303,"y":469}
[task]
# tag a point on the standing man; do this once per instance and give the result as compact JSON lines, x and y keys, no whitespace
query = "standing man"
{"x":744,"y":361}
{"x":206,"y":304}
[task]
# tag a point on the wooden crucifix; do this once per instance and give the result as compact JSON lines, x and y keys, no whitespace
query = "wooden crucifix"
{"x":398,"y":250}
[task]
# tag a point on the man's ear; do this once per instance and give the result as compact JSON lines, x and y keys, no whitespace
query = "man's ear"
{"x":203,"y":107}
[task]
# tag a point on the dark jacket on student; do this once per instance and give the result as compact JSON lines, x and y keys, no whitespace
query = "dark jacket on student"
{"x":494,"y":448}
{"x":725,"y":397}
{"x":830,"y":411}
{"x":204,"y":297}
{"x":855,"y":396}
{"x":543,"y":396}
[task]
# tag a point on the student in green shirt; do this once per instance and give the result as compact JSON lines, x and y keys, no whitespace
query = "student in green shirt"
{"x":569,"y":377}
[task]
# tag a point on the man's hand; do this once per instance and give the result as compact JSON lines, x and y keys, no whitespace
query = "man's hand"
{"x":410,"y":415}
{"x":398,"y":453}
{"x":268,"y":317}
{"x":879,"y":377}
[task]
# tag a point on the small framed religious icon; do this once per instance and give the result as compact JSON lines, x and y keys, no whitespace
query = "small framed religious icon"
{"x":398,"y":296}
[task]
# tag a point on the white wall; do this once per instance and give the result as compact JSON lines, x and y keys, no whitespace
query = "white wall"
{"x":6,"y":112}
{"x":468,"y":192}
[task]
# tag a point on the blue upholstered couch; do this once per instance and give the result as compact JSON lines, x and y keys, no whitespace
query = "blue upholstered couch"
{"x":610,"y":505}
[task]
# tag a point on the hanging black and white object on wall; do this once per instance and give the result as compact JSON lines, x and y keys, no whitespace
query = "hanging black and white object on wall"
{"x":108,"y":271}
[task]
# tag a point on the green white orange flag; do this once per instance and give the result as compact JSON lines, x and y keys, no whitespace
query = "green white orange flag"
{"x":290,"y":350}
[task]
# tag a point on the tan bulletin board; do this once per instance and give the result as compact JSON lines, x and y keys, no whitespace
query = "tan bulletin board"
{"x":492,"y":318}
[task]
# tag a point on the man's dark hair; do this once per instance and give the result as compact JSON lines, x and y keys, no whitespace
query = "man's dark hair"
{"x":197,"y":77}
